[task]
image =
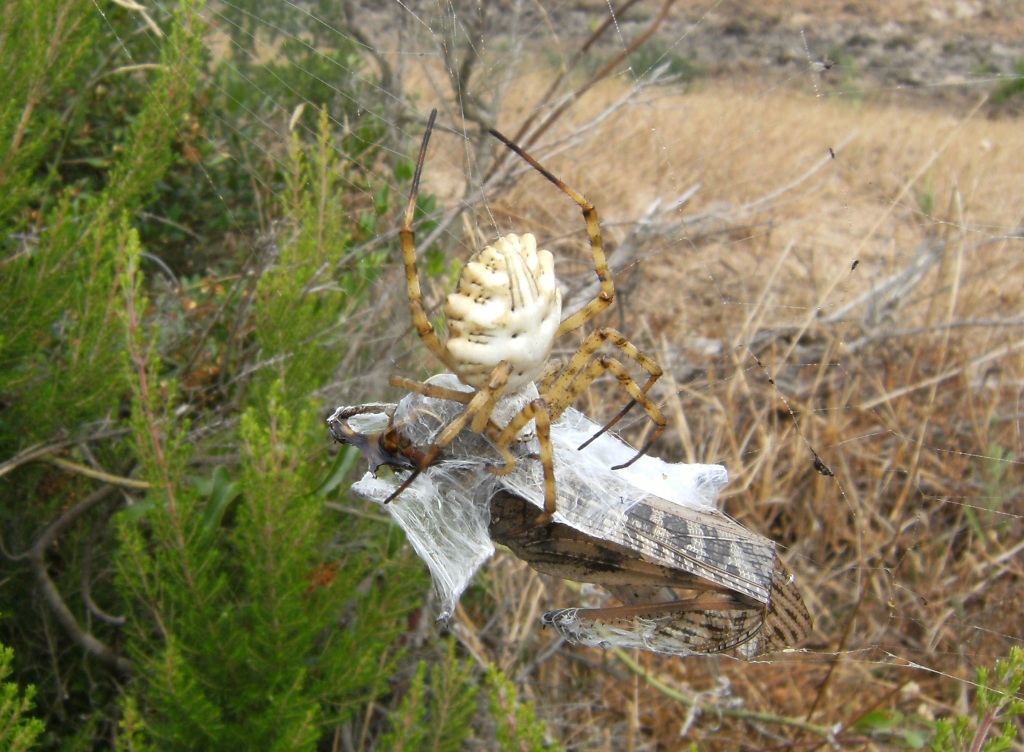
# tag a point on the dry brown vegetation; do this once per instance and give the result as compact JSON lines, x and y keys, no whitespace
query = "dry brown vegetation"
{"x":842,"y":278}
{"x":788,"y":328}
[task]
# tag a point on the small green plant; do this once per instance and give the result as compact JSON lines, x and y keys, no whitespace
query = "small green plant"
{"x":851,"y":84}
{"x":894,"y":727}
{"x":925,"y":197}
{"x":245,"y":577}
{"x":519,"y":729}
{"x":1011,"y":88}
{"x":654,"y":55}
{"x":998,"y":489}
{"x":997,"y":702}
{"x":989,"y":728}
{"x":18,"y":732}
{"x":438,"y":707}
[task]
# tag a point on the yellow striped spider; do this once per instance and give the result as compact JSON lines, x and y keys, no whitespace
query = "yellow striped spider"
{"x":503,"y":320}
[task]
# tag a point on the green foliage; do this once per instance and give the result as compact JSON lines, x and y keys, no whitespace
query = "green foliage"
{"x":211,"y":602}
{"x":17,"y":731}
{"x":302,"y":298}
{"x":236,"y":588}
{"x":435,"y":717}
{"x":851,"y":80}
{"x":408,"y":727}
{"x":59,"y":297}
{"x":996,"y":703}
{"x":251,"y":619}
{"x":65,"y":244}
{"x":518,"y":727}
{"x":654,"y":54}
{"x":925,"y":196}
{"x":131,"y":729}
{"x":894,"y":727}
{"x":990,"y":726}
{"x":1012,"y":87}
{"x":992,"y":472}
{"x":45,"y":48}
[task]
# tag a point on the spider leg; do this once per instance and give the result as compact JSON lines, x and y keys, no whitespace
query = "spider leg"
{"x":590,"y":347}
{"x":539,"y":412}
{"x":496,"y":390}
{"x":482,"y":423}
{"x":420,"y":320}
{"x":478,"y":408}
{"x":563,"y":391}
{"x":611,"y":424}
{"x":547,"y":458}
{"x":639,"y":396}
{"x":607,"y":294}
{"x":431,"y":390}
{"x":559,"y":391}
{"x":573,"y":381}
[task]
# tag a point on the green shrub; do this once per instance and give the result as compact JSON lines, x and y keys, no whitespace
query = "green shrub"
{"x":223,"y":608}
{"x":17,"y":731}
{"x":1012,"y":87}
{"x":997,"y":702}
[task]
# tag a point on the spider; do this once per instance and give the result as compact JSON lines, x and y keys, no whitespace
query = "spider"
{"x":503,"y":320}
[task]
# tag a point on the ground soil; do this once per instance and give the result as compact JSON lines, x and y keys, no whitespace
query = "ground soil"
{"x":924,"y":52}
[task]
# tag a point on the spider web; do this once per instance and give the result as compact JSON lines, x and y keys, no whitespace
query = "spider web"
{"x":815,"y":228}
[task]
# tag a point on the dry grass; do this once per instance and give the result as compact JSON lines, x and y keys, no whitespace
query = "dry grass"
{"x":907,"y":554}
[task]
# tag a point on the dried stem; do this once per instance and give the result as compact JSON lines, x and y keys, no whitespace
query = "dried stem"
{"x":825,"y":732}
{"x":36,"y":556}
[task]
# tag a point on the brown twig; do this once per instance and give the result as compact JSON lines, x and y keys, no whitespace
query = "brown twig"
{"x":526,"y":140}
{"x":39,"y":452}
{"x":825,"y":732}
{"x":86,"y":580}
{"x":36,"y":556}
{"x":520,"y":134}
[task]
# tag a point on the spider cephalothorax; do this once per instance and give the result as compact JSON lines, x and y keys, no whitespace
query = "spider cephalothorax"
{"x":503,"y":319}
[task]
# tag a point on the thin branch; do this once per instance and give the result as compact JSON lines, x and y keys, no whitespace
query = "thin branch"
{"x":526,"y":140}
{"x":519,"y":135}
{"x":825,"y":732}
{"x":611,"y":65}
{"x":36,"y":556}
{"x":86,"y":581}
{"x":39,"y":451}
{"x":88,"y":472}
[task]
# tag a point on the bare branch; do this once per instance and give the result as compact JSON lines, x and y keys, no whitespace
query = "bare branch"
{"x":527,"y":140}
{"x":36,"y":556}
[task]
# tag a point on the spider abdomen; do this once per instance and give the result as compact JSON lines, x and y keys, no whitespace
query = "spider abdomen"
{"x":506,"y":307}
